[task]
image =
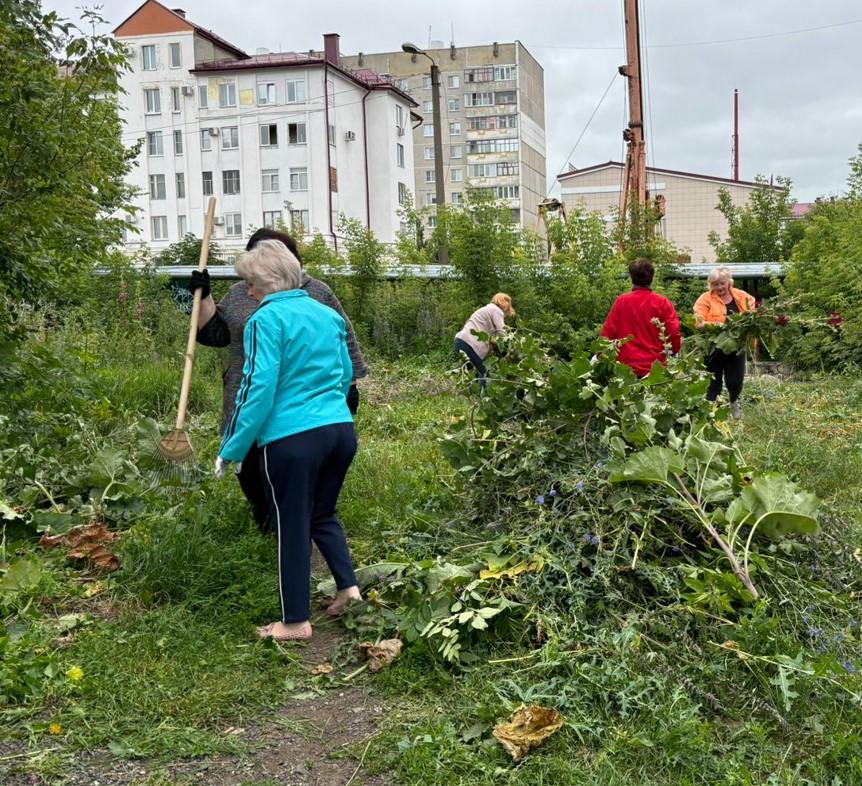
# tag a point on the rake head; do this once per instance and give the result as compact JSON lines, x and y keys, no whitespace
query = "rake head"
{"x":175,"y":447}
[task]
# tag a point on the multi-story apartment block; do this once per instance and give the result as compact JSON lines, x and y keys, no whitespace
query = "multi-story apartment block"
{"x":293,"y":139}
{"x":493,"y":117}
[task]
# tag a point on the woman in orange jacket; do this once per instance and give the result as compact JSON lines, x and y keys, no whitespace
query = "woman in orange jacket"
{"x":713,"y":307}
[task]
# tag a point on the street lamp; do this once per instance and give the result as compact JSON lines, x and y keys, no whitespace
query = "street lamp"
{"x":440,"y":184}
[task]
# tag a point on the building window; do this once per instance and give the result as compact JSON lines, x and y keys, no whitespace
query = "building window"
{"x":426,"y":82}
{"x":207,"y":180}
{"x":454,"y":81}
{"x":507,"y":168}
{"x":229,"y":138}
{"x":176,"y":106}
{"x":148,"y":54}
{"x":230,"y":181}
{"x":402,"y":194}
{"x":272,"y":218}
{"x":181,"y":186}
{"x":402,"y":84}
{"x":174,"y":55}
{"x":482,"y":170}
{"x":206,"y":139}
{"x":492,"y":145}
{"x":506,"y":97}
{"x":429,"y":152}
{"x":456,"y":198}
{"x":203,"y":96}
{"x":269,"y":181}
{"x":295,"y":91}
{"x":454,"y":129}
{"x":233,"y":224}
{"x":427,"y":106}
{"x":428,"y":129}
{"x":507,"y":121}
{"x":456,"y":175}
{"x":506,"y":192}
{"x":182,"y":226}
{"x":478,"y":99}
{"x":453,"y":104}
{"x":429,"y":175}
{"x":153,"y":101}
{"x":157,"y":186}
{"x":265,"y":93}
{"x":431,"y":198}
{"x":484,"y":74}
{"x":159,"y":226}
{"x":269,"y":135}
{"x":432,"y":221}
{"x":331,"y":132}
{"x":456,"y":151}
{"x":502,"y":73}
{"x":178,"y":143}
{"x":399,"y":117}
{"x":154,"y":143}
{"x":296,"y":133}
{"x":399,"y":154}
{"x":227,"y":94}
{"x":299,"y":179}
{"x":299,"y":219}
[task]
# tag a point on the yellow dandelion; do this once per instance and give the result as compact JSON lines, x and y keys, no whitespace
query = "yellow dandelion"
{"x":55,"y":728}
{"x":75,"y":674}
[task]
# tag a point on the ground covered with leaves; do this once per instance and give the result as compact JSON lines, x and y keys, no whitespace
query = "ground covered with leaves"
{"x":660,"y":580}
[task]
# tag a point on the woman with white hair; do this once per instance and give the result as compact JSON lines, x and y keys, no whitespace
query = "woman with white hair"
{"x":714,"y":307}
{"x":292,"y":404}
{"x":489,"y":320}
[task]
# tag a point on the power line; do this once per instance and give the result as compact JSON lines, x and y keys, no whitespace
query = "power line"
{"x":759,"y":37}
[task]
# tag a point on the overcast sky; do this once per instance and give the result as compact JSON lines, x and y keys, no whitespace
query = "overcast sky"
{"x":800,"y":102}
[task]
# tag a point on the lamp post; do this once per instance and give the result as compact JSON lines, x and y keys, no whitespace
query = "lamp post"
{"x":440,"y":184}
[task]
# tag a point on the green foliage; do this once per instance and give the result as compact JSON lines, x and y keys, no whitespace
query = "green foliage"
{"x":62,"y":160}
{"x":187,"y":251}
{"x":761,"y":230}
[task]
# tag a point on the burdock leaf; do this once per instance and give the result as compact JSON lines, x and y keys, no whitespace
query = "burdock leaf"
{"x":650,"y":465}
{"x":527,"y":728}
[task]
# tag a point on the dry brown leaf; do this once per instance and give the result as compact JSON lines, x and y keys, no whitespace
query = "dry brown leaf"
{"x":321,"y":668}
{"x":50,"y":541}
{"x":86,"y":543}
{"x":380,"y":654}
{"x":527,"y":728}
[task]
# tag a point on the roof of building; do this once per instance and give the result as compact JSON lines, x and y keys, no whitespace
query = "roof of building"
{"x":364,"y":77}
{"x":799,"y":209}
{"x":655,"y":170}
{"x":181,"y":23}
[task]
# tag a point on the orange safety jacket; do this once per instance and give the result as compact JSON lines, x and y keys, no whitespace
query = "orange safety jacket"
{"x":710,"y":308}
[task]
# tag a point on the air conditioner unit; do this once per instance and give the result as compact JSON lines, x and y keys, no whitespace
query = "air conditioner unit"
{"x":219,"y":221}
{"x":213,"y":131}
{"x":349,"y":136}
{"x":188,"y":91}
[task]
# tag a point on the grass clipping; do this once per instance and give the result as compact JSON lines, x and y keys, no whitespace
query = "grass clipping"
{"x":527,"y":728}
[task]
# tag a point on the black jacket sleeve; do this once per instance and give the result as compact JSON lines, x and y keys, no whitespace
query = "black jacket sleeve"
{"x":215,"y":333}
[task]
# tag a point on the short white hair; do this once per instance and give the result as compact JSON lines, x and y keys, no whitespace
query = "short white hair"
{"x":270,"y":267}
{"x":720,"y":273}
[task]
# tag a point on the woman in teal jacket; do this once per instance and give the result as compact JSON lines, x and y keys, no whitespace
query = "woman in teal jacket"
{"x":292,"y":404}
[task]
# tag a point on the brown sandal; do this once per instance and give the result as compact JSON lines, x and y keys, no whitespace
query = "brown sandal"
{"x":265,"y":632}
{"x":338,"y":607}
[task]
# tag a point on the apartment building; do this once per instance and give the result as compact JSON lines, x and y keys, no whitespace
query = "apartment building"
{"x":493,"y":117}
{"x":690,"y":201}
{"x":287,"y":138}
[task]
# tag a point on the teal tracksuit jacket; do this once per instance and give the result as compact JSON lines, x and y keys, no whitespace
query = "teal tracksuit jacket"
{"x":296,"y":375}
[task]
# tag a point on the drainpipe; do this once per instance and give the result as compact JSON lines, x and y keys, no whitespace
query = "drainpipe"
{"x":328,"y":153}
{"x":365,"y":145}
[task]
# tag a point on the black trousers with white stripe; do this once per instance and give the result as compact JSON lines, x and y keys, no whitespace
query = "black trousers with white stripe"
{"x":304,"y":474}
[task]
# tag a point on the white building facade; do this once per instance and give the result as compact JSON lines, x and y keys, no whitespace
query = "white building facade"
{"x":280,"y":139}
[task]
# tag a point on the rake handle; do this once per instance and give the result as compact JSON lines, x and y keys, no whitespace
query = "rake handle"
{"x":193,"y":323}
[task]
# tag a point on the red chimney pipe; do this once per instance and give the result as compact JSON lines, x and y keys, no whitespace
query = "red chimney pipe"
{"x":331,"y":53}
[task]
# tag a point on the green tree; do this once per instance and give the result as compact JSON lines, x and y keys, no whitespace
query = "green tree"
{"x":187,"y":251}
{"x":365,"y":256}
{"x":62,"y":160}
{"x":762,"y":229}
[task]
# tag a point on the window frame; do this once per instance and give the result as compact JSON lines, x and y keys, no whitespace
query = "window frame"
{"x":180,"y":184}
{"x":149,"y":93}
{"x":229,"y":88}
{"x":179,"y":149}
{"x":232,"y":222}
{"x":205,"y":180}
{"x":155,"y":136}
{"x":158,"y":189}
{"x":174,"y":46}
{"x":291,"y":84}
{"x":270,"y":128}
{"x":149,"y":48}
{"x":274,"y":180}
{"x":228,"y":182}
{"x":300,"y":173}
{"x":160,"y":221}
{"x":297,"y":125}
{"x":233,"y":135}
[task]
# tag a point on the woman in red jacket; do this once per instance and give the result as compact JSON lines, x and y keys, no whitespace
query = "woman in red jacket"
{"x":637,"y":315}
{"x":713,"y":307}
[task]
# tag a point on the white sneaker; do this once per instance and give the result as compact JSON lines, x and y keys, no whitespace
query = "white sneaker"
{"x":736,"y":410}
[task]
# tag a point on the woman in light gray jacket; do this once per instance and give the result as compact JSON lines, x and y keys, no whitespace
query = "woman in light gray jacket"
{"x":490,"y":320}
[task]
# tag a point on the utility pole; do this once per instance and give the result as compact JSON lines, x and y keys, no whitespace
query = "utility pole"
{"x":735,"y":168}
{"x":634,"y":176}
{"x":439,"y":181}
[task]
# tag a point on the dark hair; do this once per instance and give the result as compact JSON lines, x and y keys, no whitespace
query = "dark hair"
{"x":642,"y":272}
{"x":265,"y":233}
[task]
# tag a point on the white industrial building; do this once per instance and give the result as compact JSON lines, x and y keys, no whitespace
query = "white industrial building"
{"x":278,"y":138}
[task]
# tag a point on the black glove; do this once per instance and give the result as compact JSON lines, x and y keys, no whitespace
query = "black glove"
{"x":353,"y":399}
{"x":200,"y":280}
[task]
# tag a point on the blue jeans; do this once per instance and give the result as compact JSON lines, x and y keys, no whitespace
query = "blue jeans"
{"x":304,"y":474}
{"x":475,"y":360}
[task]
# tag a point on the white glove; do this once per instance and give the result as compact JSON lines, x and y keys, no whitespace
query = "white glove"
{"x":220,"y":465}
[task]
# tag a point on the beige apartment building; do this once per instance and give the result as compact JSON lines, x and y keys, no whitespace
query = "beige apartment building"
{"x":492,"y":106}
{"x":690,"y":201}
